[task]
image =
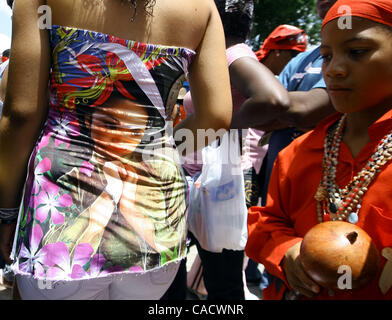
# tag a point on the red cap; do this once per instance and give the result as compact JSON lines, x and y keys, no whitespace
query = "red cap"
{"x":376,"y":10}
{"x":4,"y":59}
{"x":284,"y":37}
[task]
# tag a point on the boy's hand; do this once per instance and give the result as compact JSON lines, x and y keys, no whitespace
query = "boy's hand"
{"x":296,"y":276}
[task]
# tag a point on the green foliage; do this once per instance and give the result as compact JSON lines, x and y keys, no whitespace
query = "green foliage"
{"x":271,"y":13}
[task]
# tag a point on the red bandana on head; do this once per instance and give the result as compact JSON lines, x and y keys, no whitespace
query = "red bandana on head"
{"x":284,"y":37}
{"x":376,"y":10}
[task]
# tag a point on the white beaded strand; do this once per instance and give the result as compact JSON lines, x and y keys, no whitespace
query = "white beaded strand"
{"x":344,"y":204}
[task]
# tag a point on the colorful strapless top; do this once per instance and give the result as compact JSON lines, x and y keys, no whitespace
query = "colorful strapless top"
{"x":104,"y":193}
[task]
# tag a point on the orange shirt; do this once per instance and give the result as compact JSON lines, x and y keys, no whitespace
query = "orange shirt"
{"x":291,"y":209}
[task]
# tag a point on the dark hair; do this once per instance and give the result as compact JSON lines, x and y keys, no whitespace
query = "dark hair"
{"x":236,"y":22}
{"x":6,"y":53}
{"x":149,"y":4}
{"x":10,"y":2}
{"x":294,"y":53}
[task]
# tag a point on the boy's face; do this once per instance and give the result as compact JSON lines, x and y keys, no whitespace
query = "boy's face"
{"x":118,"y":126}
{"x":357,"y":66}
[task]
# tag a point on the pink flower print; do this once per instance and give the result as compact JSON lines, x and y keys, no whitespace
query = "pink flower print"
{"x":49,"y":200}
{"x":56,"y":257}
{"x":96,"y":265}
{"x":44,"y":141}
{"x":33,"y":256}
{"x":114,"y":269}
{"x":135,"y":269}
{"x":87,"y":168}
{"x":39,"y":171}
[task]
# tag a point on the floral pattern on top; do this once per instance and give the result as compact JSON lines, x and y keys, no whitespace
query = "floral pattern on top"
{"x":104,"y":193}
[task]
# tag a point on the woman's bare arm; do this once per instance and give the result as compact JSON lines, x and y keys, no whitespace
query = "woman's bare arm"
{"x":209,"y":81}
{"x":25,"y":104}
{"x":3,"y":84}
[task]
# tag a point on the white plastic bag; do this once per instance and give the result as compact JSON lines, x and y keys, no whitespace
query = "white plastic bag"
{"x":217,"y":214}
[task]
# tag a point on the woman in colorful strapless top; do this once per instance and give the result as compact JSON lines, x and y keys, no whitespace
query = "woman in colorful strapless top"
{"x":103,"y":204}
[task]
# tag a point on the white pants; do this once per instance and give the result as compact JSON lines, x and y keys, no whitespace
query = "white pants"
{"x":148,"y":286}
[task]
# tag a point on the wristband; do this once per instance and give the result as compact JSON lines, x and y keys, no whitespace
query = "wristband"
{"x":9,"y":213}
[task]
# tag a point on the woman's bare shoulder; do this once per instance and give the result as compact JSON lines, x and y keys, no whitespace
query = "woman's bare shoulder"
{"x":170,"y":22}
{"x":187,"y":19}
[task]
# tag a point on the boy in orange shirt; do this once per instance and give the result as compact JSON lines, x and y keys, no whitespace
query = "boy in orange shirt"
{"x":355,"y":173}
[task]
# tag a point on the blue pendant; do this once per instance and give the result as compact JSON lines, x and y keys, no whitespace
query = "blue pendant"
{"x":353,"y":218}
{"x":333,"y":207}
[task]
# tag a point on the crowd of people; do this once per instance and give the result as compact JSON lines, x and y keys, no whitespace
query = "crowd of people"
{"x":93,"y":197}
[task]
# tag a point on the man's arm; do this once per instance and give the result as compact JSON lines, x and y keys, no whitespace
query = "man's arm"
{"x":308,"y":108}
{"x":304,"y":110}
{"x":266,"y":96}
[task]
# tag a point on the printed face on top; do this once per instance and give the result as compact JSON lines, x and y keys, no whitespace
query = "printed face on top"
{"x":357,"y":66}
{"x":118,"y":126}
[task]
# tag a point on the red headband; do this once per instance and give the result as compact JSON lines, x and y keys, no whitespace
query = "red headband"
{"x":376,"y":10}
{"x":284,"y":37}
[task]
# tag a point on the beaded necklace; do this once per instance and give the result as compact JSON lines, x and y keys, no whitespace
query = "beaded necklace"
{"x":344,"y":204}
